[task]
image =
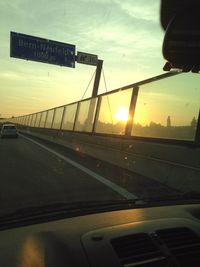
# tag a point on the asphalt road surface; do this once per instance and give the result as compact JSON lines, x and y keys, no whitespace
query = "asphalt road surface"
{"x":38,"y":172}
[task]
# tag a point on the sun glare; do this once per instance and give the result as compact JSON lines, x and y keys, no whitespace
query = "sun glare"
{"x":122,"y":114}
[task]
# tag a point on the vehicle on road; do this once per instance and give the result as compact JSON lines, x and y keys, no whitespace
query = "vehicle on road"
{"x":9,"y":130}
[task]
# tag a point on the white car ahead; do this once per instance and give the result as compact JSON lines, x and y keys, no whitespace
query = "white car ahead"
{"x":9,"y":130}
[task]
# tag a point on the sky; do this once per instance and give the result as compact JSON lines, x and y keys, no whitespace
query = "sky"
{"x":177,"y":97}
{"x":125,"y":34}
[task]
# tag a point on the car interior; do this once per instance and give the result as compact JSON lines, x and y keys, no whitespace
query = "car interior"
{"x":164,"y":234}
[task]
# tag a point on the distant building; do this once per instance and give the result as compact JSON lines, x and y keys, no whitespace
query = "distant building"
{"x":168,"y":121}
{"x":193,"y":123}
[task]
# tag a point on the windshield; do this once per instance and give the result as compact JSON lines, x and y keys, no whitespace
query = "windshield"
{"x":10,"y":127}
{"x":98,"y":118}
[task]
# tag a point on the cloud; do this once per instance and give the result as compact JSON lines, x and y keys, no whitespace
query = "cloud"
{"x":99,"y":27}
{"x":125,"y":34}
{"x":10,"y":75}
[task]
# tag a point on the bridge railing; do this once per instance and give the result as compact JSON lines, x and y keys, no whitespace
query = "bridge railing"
{"x":165,"y":107}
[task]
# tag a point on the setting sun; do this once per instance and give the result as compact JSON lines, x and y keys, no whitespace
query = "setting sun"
{"x":122,"y":114}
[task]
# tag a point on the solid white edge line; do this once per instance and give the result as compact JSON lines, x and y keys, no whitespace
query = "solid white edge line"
{"x":120,"y":190}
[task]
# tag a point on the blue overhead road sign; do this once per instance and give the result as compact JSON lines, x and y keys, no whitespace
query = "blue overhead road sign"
{"x":43,"y":50}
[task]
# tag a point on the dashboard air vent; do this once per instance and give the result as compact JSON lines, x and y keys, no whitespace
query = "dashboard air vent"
{"x":138,"y":250}
{"x":184,"y":244}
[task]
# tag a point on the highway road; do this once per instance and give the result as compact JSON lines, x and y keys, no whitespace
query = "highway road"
{"x":38,"y":172}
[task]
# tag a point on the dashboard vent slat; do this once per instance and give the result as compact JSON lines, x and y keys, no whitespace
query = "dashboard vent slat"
{"x":138,"y":250}
{"x":184,"y":244}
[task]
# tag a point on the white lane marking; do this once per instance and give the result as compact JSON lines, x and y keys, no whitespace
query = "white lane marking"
{"x":122,"y":191}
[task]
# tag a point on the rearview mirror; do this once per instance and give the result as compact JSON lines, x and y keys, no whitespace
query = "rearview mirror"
{"x":181,"y":45}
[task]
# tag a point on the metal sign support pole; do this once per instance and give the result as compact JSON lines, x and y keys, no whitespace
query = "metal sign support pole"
{"x":97,"y":78}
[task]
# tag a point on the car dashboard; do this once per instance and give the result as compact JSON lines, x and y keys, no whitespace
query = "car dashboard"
{"x":154,"y":236}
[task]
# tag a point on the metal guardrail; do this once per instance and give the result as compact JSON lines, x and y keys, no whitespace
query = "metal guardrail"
{"x":121,"y":112}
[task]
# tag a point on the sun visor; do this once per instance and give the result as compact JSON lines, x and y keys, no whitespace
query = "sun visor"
{"x":181,"y":45}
